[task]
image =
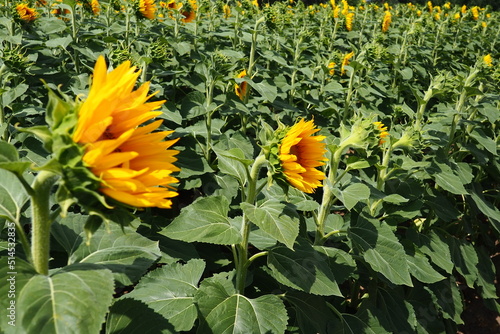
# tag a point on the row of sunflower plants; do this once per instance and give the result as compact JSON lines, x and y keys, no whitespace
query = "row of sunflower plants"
{"x":246,"y":167}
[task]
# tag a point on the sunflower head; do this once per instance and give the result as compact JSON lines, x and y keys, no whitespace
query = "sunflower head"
{"x":26,"y":13}
{"x":295,"y":154}
{"x":147,"y":9}
{"x":241,"y":88}
{"x":106,"y":147}
{"x":381,"y":132}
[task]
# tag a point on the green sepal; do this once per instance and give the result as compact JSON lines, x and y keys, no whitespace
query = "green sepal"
{"x":42,"y":132}
{"x":57,"y":109}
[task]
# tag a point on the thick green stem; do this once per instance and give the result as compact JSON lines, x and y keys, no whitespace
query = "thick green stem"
{"x":242,"y":261}
{"x":40,"y":204}
{"x":328,"y":197}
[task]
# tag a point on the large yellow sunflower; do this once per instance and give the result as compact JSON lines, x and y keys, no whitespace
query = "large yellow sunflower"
{"x":26,"y":13}
{"x":147,"y":8}
{"x":300,"y":153}
{"x":132,"y":162}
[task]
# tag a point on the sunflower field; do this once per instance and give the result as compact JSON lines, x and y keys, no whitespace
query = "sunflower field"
{"x":213,"y":166}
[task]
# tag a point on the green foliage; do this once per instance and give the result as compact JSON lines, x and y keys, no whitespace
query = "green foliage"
{"x":402,"y":225}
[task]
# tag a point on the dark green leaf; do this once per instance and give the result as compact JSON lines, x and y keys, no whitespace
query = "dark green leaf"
{"x":304,"y":269}
{"x":381,"y":249}
{"x":276,"y":218}
{"x":170,"y":291}
{"x":205,"y":220}
{"x":43,"y":303}
{"x":224,"y":311}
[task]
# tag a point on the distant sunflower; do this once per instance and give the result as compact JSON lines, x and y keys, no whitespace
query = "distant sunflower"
{"x":189,"y":11}
{"x":96,"y":8}
{"x":387,"y":21}
{"x":26,"y":13}
{"x":349,"y":18}
{"x":227,"y":11}
{"x":300,"y":153}
{"x":147,"y":8}
{"x":382,"y":131}
{"x":346,"y":61}
{"x":133,"y":163}
{"x":241,"y":89}
{"x":331,"y":68}
{"x":487,"y":60}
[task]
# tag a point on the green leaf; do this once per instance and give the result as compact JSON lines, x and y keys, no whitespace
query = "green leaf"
{"x":312,"y":312}
{"x":8,"y":152}
{"x":303,"y":268}
{"x":267,"y":90}
{"x":224,"y":311}
{"x":353,"y":194}
{"x":12,"y":196}
{"x":447,"y":298}
{"x":356,"y":324}
{"x":432,"y":245}
{"x":489,"y":144}
{"x":381,"y":249}
{"x":341,"y":263}
{"x":390,"y":308}
{"x":276,"y":218}
{"x":205,"y":220}
{"x":14,"y":274}
{"x":446,"y":178}
{"x":191,"y":164}
{"x":486,"y":274}
{"x":429,"y":320}
{"x":12,"y":94}
{"x":73,"y":300}
{"x":465,"y":258}
{"x":233,"y":162}
{"x":121,"y":249}
{"x":130,"y":316}
{"x":485,"y":207}
{"x":170,"y":291}
{"x":419,"y":265}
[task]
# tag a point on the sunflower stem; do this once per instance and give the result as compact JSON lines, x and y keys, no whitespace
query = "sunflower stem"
{"x":242,"y":261}
{"x":328,"y":197}
{"x":40,"y":205}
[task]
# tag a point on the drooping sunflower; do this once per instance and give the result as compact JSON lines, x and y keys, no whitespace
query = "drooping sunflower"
{"x":346,"y":61}
{"x":349,"y":18}
{"x":241,"y":89}
{"x":300,"y":154}
{"x":387,"y":21}
{"x":26,"y":13}
{"x":133,"y":163}
{"x":96,"y":7}
{"x":382,"y":131}
{"x":227,"y":11}
{"x":147,"y":8}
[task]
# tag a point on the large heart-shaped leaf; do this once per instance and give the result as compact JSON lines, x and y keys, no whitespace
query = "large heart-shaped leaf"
{"x":205,"y":220}
{"x":380,"y":249}
{"x":224,"y":311}
{"x":73,"y":300}
{"x":12,"y":196}
{"x":303,"y":268}
{"x":276,"y":218}
{"x":170,"y":292}
{"x":121,"y":249}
